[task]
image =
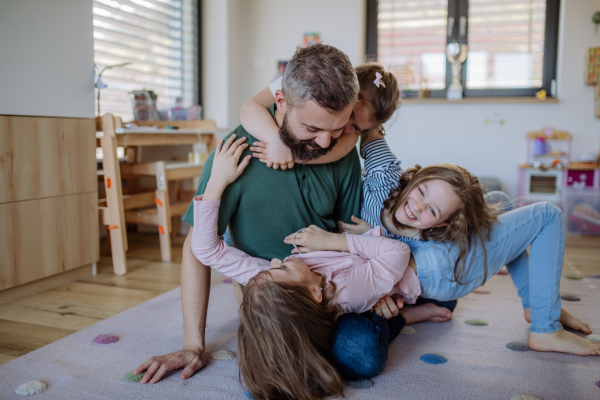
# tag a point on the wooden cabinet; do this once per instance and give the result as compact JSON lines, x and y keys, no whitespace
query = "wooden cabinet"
{"x":48,"y":197}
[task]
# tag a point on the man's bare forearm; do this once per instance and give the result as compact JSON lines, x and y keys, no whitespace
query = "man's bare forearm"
{"x":195,"y":292}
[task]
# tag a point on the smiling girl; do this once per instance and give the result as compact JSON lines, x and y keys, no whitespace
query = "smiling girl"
{"x":457,"y":241}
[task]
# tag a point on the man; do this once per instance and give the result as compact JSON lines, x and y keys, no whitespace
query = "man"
{"x":264,"y":205}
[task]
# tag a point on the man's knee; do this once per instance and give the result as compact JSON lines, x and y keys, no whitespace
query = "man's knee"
{"x":358,"y":351}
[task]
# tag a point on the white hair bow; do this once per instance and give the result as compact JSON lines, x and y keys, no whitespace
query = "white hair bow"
{"x":378,"y":80}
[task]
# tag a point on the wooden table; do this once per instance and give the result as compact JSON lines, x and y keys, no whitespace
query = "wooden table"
{"x":112,"y":135}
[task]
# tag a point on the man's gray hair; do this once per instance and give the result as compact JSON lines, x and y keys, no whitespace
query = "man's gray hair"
{"x":321,"y":73}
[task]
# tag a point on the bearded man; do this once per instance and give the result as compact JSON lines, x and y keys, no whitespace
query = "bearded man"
{"x":264,"y":205}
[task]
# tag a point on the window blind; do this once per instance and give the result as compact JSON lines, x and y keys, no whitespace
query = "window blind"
{"x":506,"y":43}
{"x":412,"y":40}
{"x":158,"y":38}
{"x":506,"y":40}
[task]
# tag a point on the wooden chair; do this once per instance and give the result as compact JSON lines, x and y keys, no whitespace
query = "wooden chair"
{"x":150,"y":207}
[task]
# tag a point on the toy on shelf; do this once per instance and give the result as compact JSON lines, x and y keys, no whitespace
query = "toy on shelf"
{"x":549,"y":174}
{"x":541,"y":177}
{"x":548,"y":148}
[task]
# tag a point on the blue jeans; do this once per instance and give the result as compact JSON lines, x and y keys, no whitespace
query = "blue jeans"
{"x":360,"y":344}
{"x":536,"y":275}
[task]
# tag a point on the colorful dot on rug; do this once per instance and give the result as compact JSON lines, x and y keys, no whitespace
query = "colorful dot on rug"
{"x":433,"y":359}
{"x":574,"y":277}
{"x":593,"y":338}
{"x":476,"y":322}
{"x":360,"y":384}
{"x":523,"y":397}
{"x":130,"y":377}
{"x":598,"y":383}
{"x":227,"y":280}
{"x":106,"y":339}
{"x":247,"y":394}
{"x":481,"y":291}
{"x":222,"y":355}
{"x":570,"y":297}
{"x":408,"y":330}
{"x":30,"y":388}
{"x":518,"y":346}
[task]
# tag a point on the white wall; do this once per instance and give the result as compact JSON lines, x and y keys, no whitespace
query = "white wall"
{"x":258,"y":33}
{"x":46,"y":58}
{"x":261,"y":32}
{"x":215,"y":61}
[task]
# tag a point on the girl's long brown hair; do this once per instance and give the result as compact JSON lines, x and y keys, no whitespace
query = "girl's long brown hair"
{"x":469,"y":226}
{"x":282,"y":338}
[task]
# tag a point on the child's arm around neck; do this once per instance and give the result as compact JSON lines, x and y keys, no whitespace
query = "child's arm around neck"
{"x":258,"y":122}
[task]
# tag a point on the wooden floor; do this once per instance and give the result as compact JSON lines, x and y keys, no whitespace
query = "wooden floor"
{"x":32,"y":322}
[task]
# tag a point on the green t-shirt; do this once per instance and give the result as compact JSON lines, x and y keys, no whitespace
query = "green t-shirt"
{"x":264,"y":205}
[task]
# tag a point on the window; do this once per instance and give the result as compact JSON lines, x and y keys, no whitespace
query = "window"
{"x":159,"y":39}
{"x":512,"y":44}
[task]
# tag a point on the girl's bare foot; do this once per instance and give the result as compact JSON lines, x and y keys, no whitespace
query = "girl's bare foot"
{"x":425,"y":312}
{"x":567,"y":320}
{"x":563,"y":342}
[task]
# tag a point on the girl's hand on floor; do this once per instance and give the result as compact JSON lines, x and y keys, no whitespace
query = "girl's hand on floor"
{"x":388,"y":307}
{"x":276,"y":155}
{"x":190,"y":358}
{"x":361,"y":226}
{"x":314,"y":238}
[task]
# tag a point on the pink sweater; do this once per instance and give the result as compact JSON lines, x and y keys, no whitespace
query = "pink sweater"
{"x":375,"y":266}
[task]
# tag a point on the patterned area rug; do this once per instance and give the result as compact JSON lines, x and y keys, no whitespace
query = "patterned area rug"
{"x":479,"y":365}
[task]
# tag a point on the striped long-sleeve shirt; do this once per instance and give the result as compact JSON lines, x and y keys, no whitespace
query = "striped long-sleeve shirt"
{"x":382,"y":174}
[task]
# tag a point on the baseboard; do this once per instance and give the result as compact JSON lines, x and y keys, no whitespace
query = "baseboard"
{"x":41,"y":285}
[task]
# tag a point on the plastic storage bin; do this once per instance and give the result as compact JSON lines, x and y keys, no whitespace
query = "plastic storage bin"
{"x":581,"y":211}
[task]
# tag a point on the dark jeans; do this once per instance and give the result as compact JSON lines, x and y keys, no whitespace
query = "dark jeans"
{"x":360,"y":344}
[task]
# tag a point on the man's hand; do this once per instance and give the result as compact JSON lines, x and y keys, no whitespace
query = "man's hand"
{"x":276,"y":155}
{"x":191,"y":358}
{"x":361,"y":226}
{"x":314,"y":238}
{"x":388,"y":307}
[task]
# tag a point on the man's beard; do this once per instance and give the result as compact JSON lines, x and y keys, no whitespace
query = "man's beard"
{"x":299,"y":148}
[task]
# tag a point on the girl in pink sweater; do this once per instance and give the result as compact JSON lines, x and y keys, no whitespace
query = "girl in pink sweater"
{"x":363,"y":269}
